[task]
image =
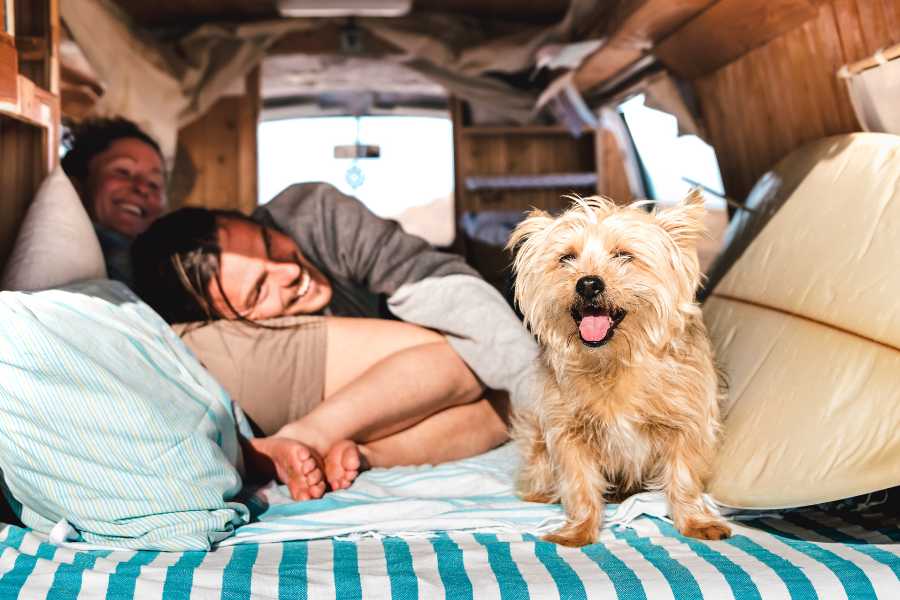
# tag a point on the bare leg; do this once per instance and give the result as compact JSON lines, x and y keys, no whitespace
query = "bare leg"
{"x":454,"y":433}
{"x":395,"y":376}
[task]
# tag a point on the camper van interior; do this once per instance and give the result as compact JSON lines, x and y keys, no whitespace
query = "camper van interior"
{"x":199,"y":199}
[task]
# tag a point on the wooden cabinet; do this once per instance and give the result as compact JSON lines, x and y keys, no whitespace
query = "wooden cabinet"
{"x":517,"y":167}
{"x":29,"y":107}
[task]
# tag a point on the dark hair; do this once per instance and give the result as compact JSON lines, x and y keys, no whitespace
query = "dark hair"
{"x":89,"y":138}
{"x":175,"y":261}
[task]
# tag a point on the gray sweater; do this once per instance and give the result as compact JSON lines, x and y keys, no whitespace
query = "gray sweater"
{"x":374,"y":265}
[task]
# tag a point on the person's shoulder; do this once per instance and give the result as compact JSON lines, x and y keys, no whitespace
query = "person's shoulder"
{"x":310,"y":196}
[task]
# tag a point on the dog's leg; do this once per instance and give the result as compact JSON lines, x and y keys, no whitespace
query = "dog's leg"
{"x":536,"y":482}
{"x":581,"y":488}
{"x":683,"y":481}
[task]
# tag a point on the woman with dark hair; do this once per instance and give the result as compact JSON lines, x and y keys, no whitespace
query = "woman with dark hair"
{"x":118,"y":171}
{"x":405,"y":394}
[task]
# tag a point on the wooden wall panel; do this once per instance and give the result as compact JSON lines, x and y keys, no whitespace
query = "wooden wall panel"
{"x":21,"y":171}
{"x":727,"y":30}
{"x":612,"y":181}
{"x":222,"y":146}
{"x":786,"y":93}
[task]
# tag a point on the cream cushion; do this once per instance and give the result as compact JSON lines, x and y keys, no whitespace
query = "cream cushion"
{"x":56,"y":244}
{"x":806,"y":325}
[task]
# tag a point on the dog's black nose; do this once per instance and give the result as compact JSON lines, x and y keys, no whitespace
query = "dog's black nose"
{"x":590,"y":287}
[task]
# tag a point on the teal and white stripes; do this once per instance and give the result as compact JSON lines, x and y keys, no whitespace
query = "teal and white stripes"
{"x":111,"y":424}
{"x":804,"y":556}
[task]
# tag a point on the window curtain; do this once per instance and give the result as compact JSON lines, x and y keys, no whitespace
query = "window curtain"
{"x":874,"y":87}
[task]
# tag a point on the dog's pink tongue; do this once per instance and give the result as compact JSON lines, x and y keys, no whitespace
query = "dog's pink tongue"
{"x":594,"y":329}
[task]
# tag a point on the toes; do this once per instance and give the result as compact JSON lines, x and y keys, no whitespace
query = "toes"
{"x":317,"y":490}
{"x":350,"y":458}
{"x":314,"y":477}
{"x":309,"y":465}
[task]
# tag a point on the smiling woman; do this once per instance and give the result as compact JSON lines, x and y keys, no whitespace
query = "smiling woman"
{"x":119,"y":174}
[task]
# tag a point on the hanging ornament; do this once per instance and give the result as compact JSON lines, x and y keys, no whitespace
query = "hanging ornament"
{"x":354,"y":175}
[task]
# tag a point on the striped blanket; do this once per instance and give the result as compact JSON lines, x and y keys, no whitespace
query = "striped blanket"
{"x":800,"y":555}
{"x":457,"y":531}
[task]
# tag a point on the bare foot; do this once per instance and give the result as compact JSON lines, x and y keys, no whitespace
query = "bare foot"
{"x":294,"y":464}
{"x":343,"y":464}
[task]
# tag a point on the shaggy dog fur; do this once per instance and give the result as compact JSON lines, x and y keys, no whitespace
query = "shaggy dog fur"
{"x":631,"y":396}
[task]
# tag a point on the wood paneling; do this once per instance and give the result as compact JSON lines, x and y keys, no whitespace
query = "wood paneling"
{"x":786,"y":93}
{"x":29,"y":113}
{"x":512,"y":153}
{"x":222,"y":146}
{"x":612,"y":181}
{"x":21,"y":171}
{"x":633,"y":35}
{"x":9,"y":70}
{"x":727,"y":30}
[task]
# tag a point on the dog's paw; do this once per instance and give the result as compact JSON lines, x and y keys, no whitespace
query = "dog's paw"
{"x":706,"y":530}
{"x":573,"y":536}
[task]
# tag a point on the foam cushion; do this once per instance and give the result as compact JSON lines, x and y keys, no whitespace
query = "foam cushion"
{"x":56,"y":244}
{"x":110,"y":423}
{"x":807,"y":327}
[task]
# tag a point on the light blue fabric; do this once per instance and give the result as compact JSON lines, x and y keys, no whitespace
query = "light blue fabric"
{"x":109,"y":422}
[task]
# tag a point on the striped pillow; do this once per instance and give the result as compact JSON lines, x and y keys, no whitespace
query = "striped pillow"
{"x":111,"y":424}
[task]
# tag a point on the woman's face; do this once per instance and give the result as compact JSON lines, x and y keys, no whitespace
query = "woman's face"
{"x":126,"y":187}
{"x":264,"y":275}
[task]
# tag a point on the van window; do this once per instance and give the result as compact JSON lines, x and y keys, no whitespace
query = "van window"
{"x":411,"y":181}
{"x":672,"y":164}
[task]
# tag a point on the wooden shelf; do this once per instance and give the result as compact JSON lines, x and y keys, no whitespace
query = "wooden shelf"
{"x":29,"y":110}
{"x":32,"y":104}
{"x":545,"y":181}
{"x":525,"y":130}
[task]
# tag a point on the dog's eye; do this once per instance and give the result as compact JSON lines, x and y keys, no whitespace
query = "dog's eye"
{"x":566,"y":258}
{"x":623,"y":254}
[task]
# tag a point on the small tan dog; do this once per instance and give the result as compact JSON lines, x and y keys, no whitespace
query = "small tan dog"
{"x":631,"y":397}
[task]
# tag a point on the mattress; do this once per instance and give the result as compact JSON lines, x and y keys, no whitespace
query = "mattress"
{"x":802,"y":554}
{"x":456,"y":531}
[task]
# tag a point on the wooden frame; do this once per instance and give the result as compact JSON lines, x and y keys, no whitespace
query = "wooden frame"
{"x":29,"y":109}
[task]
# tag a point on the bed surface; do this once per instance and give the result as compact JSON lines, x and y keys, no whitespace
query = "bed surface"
{"x":799,"y":554}
{"x":804,"y":555}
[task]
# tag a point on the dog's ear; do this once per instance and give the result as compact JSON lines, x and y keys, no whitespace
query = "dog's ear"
{"x":534,"y":221}
{"x":684,"y":221}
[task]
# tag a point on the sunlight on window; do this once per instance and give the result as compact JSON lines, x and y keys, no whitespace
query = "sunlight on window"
{"x":412,"y":180}
{"x":674,"y":164}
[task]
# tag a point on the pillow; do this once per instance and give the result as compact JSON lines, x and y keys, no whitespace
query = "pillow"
{"x":56,"y":244}
{"x":110,"y":424}
{"x":806,"y":325}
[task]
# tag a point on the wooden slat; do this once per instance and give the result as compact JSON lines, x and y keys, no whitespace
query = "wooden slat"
{"x":785,"y":93}
{"x":9,"y":70}
{"x":21,"y":171}
{"x":650,"y":22}
{"x":222,"y":146}
{"x":612,"y":180}
{"x":248,"y":125}
{"x":727,"y":30}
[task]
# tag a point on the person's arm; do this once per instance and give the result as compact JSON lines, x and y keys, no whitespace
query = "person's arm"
{"x":424,"y":286}
{"x":343,"y":237}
